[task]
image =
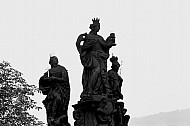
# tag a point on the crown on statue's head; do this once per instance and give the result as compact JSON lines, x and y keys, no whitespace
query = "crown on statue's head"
{"x":113,"y":59}
{"x":96,"y":20}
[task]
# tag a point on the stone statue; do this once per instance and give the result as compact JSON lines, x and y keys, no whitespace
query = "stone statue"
{"x":114,"y":79}
{"x":105,"y":112}
{"x":55,"y":84}
{"x":94,"y":52}
{"x":99,"y":103}
{"x":115,"y":83}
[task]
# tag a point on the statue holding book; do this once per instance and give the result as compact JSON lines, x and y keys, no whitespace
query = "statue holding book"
{"x":55,"y":84}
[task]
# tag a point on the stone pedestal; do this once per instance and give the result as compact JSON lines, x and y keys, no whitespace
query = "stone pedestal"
{"x":100,"y":110}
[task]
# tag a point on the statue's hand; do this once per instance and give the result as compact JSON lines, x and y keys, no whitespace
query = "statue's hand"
{"x":53,"y":78}
{"x":111,"y":41}
{"x":46,"y":78}
{"x":49,"y":78}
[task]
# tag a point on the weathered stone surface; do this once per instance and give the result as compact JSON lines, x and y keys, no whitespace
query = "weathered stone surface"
{"x":100,"y":111}
{"x":94,"y":53}
{"x":99,"y":104}
{"x":55,"y":84}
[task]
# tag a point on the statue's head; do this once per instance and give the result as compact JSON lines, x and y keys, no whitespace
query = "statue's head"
{"x":53,"y":60}
{"x":95,"y":26}
{"x":115,"y":64}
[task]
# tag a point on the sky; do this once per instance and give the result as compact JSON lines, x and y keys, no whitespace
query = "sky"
{"x":152,"y":39}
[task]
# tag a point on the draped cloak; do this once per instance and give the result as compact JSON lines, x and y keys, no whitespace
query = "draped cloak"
{"x":58,"y":92}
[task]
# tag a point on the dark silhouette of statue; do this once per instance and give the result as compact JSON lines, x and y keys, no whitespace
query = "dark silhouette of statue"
{"x":99,"y":103}
{"x":55,"y":84}
{"x":114,"y":79}
{"x":94,"y":52}
{"x":115,"y":83}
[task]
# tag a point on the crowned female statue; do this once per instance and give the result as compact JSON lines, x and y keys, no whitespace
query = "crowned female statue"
{"x":94,"y":53}
{"x":114,"y":79}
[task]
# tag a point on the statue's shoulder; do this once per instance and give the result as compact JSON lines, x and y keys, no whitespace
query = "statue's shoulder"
{"x":62,"y":68}
{"x":91,"y":36}
{"x":100,"y":37}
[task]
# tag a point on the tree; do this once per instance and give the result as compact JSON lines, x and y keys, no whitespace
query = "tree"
{"x":15,"y":98}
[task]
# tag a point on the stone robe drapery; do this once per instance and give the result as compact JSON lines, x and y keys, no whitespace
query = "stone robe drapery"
{"x":58,"y":93}
{"x":115,"y":83}
{"x":94,"y":54}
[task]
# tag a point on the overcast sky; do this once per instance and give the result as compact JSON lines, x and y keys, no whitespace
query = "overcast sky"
{"x":152,"y":39}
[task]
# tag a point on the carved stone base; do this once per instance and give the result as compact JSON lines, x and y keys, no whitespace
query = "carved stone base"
{"x":100,"y":110}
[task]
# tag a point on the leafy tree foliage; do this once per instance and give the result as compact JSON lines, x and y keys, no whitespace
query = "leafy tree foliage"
{"x":15,"y":100}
